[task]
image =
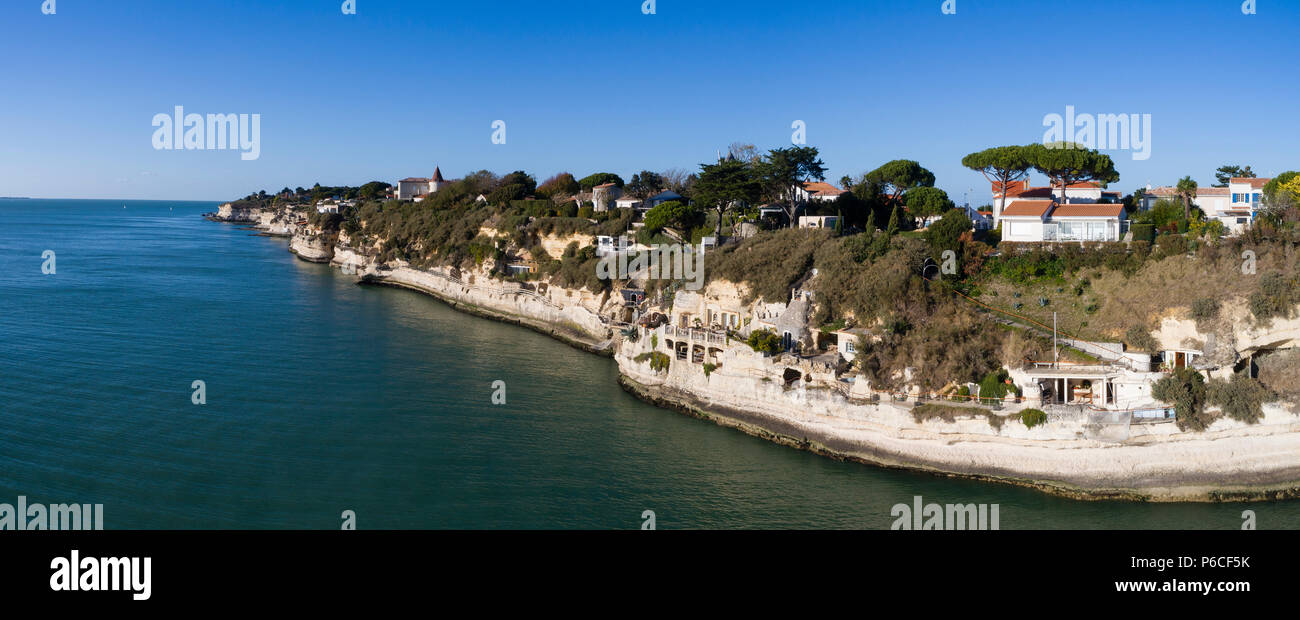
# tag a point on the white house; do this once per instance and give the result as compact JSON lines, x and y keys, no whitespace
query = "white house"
{"x":327,"y":206}
{"x":1235,"y":205}
{"x":846,"y":341}
{"x":1047,"y":220}
{"x":628,"y":202}
{"x":818,"y":221}
{"x":1245,"y":198}
{"x":418,"y":187}
{"x":1086,"y":192}
{"x":606,"y":245}
{"x":818,"y":192}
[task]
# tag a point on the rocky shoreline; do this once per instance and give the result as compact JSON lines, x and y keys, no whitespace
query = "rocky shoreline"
{"x":1228,"y":463}
{"x":1185,"y":488}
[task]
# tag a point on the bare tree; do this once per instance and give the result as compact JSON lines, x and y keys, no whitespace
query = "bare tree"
{"x":678,"y":180}
{"x":743,"y":152}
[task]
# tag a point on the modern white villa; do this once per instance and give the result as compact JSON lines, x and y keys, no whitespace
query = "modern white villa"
{"x":1048,"y":220}
{"x":1087,"y":192}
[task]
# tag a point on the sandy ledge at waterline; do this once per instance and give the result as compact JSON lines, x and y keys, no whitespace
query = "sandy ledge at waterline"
{"x":1238,"y":464}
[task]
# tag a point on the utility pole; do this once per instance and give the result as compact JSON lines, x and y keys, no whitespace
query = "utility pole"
{"x":1055,"y":362}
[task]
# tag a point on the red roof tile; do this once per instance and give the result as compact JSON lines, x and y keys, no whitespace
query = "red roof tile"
{"x":820,"y":187}
{"x":1254,"y":183}
{"x":1027,"y":208}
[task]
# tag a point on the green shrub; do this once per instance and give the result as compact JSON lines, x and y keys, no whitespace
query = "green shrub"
{"x":1185,"y":390}
{"x":1033,"y":417}
{"x":1241,"y":398}
{"x":1143,"y":231}
{"x":764,"y":341}
{"x":994,"y":385}
{"x":658,"y":361}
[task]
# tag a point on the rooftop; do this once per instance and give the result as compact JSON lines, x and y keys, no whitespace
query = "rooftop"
{"x":1028,"y":208}
{"x":1254,"y":183}
{"x":821,"y":187}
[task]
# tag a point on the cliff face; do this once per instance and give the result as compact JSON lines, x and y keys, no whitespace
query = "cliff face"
{"x":230,"y":213}
{"x":1230,"y":339}
{"x":312,"y":247}
{"x":1157,"y":462}
{"x":274,"y":221}
{"x":578,"y":317}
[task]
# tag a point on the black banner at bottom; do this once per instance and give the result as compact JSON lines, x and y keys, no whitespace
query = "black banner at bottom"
{"x":165,"y":568}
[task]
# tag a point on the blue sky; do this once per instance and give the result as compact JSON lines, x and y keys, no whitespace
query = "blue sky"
{"x":596,"y":85}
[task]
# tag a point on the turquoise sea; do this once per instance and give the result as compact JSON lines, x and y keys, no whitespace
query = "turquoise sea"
{"x":325,"y":396}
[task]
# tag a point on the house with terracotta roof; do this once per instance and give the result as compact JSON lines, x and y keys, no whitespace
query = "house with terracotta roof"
{"x":1087,"y":192}
{"x":1044,"y":220}
{"x":417,"y":188}
{"x":1246,"y":194}
{"x":819,"y":191}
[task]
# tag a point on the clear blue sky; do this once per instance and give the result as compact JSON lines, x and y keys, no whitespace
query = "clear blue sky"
{"x":595,"y":85}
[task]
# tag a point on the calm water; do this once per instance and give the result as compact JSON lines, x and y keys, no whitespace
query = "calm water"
{"x":323,"y":396}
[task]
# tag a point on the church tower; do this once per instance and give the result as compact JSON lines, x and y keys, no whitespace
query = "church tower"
{"x":436,"y":181}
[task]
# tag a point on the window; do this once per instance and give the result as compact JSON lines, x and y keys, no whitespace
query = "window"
{"x":848,"y":347}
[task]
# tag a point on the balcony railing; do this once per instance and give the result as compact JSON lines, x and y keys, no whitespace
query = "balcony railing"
{"x":697,"y":335}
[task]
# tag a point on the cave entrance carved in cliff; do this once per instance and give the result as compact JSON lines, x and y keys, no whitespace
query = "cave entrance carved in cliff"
{"x":791,"y":375}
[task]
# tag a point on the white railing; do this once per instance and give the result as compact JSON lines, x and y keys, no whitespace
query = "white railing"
{"x":696,"y":335}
